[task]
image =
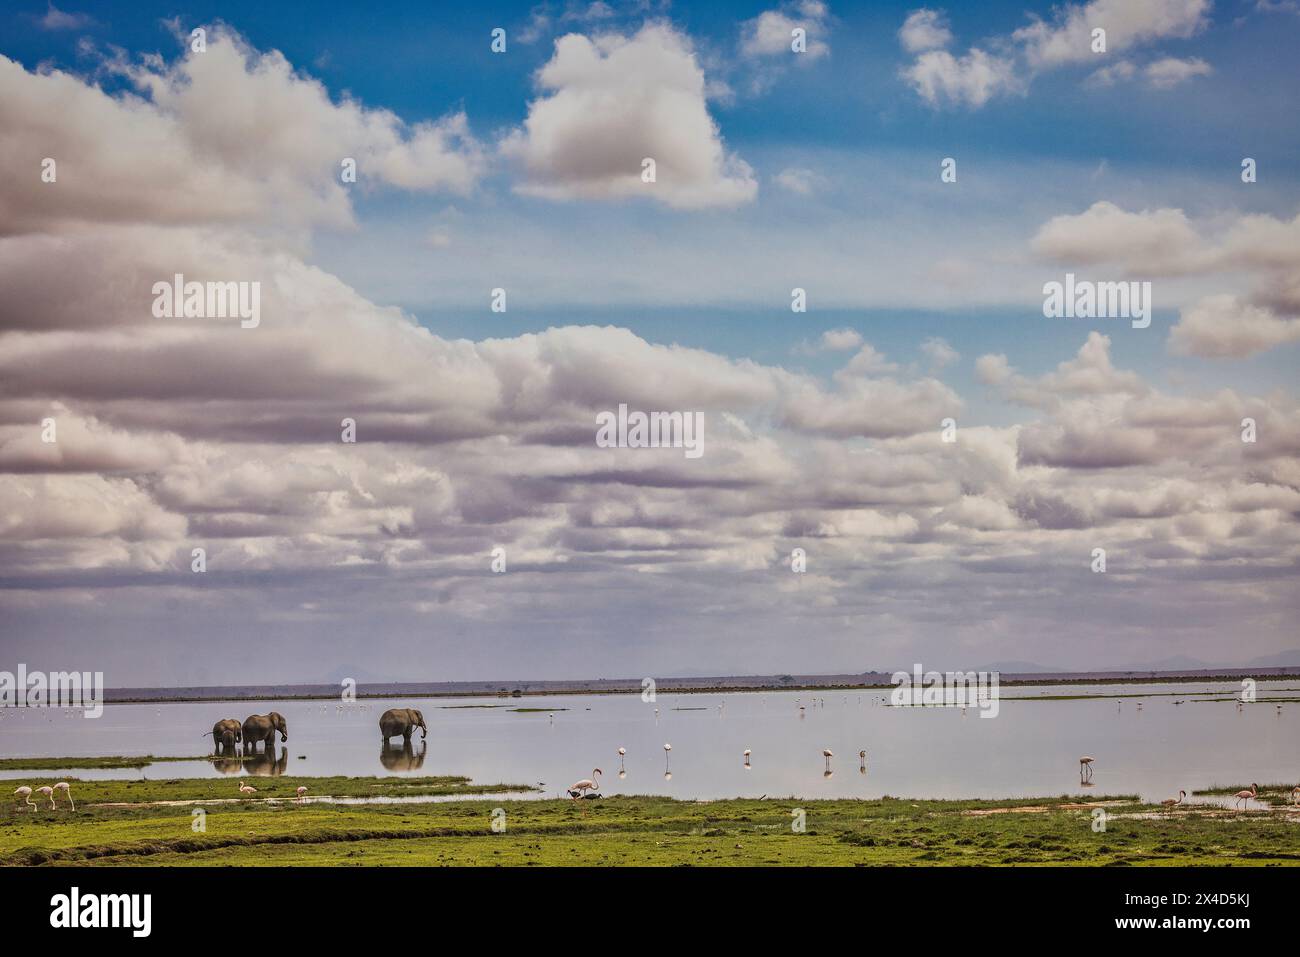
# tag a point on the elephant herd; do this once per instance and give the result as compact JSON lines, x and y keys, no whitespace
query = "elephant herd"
{"x":262,"y":728}
{"x":257,"y":728}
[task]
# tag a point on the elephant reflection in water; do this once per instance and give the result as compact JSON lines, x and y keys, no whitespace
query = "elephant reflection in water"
{"x":265,"y":764}
{"x":405,"y":758}
{"x":228,"y":762}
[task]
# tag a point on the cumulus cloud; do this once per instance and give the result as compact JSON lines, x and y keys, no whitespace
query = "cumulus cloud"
{"x":178,"y":433}
{"x":1257,"y":254}
{"x":228,"y":135}
{"x":771,"y":33}
{"x":1170,"y":71}
{"x":611,"y":102}
{"x":940,"y":353}
{"x":924,"y":30}
{"x":971,"y":79}
{"x":1067,"y":37}
{"x":1224,"y":326}
{"x":1007,"y":64}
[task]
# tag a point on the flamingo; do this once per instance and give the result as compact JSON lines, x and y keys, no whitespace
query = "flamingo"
{"x":302,"y":789}
{"x":862,"y":757}
{"x":621,"y":753}
{"x":246,"y":789}
{"x":1247,"y":795}
{"x":1295,"y":795}
{"x":827,"y":753}
{"x":25,"y":793}
{"x":67,"y":792}
{"x":1085,"y":766}
{"x":667,"y":748}
{"x":748,"y":752}
{"x":47,"y":791}
{"x":586,"y":784}
{"x":1171,"y":802}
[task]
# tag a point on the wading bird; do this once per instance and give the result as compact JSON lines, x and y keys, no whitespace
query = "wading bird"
{"x":747,"y":753}
{"x":47,"y":791}
{"x":25,"y":793}
{"x":1174,"y":802}
{"x":1295,"y":796}
{"x":1245,"y":796}
{"x":827,"y":753}
{"x":580,"y":788}
{"x":621,"y":753}
{"x":246,"y":789}
{"x":1085,"y":766}
{"x":862,"y":758}
{"x":302,"y":789}
{"x":67,"y":792}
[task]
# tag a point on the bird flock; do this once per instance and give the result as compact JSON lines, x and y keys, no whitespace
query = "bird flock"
{"x":23,"y":795}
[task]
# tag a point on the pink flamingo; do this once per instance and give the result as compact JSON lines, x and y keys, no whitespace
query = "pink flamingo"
{"x":1247,"y":795}
{"x":1171,"y":802}
{"x":67,"y":792}
{"x":1085,"y":766}
{"x":247,"y":790}
{"x":580,"y":788}
{"x":25,"y":793}
{"x":47,"y":791}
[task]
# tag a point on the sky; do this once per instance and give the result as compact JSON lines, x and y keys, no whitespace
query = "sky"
{"x":942,"y":459}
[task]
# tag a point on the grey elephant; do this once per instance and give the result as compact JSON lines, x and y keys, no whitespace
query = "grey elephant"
{"x":226,"y":733}
{"x":262,"y":727}
{"x":401,"y":721}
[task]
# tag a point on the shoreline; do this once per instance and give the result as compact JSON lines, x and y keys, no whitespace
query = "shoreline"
{"x":733,"y":685}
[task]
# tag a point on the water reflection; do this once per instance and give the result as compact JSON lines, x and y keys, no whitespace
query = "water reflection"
{"x":1031,"y":749}
{"x":265,"y":764}
{"x":405,"y":758}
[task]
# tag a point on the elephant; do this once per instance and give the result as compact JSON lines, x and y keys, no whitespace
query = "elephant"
{"x":401,"y":721}
{"x":262,"y":727}
{"x":226,"y":733}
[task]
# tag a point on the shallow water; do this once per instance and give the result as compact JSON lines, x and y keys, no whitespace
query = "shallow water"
{"x":1031,"y":749}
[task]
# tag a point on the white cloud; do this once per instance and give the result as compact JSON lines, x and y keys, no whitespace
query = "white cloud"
{"x":841,"y":340}
{"x":925,"y":30}
{"x":56,"y":19}
{"x":977,"y":76}
{"x":1067,"y":38}
{"x":1225,"y":327}
{"x":613,"y":101}
{"x":1170,"y":71}
{"x":1159,"y":241}
{"x":972,"y":79}
{"x":940,"y":353}
{"x":226,"y":135}
{"x":799,"y":180}
{"x":771,"y":32}
{"x":1258,"y":255}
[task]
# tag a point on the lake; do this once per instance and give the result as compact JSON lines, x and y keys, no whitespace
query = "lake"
{"x":1031,"y":749}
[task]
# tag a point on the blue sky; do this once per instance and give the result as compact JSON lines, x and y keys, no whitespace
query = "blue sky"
{"x":779,"y":170}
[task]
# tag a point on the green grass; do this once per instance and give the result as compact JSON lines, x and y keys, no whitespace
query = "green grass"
{"x":620,"y":830}
{"x":115,"y":761}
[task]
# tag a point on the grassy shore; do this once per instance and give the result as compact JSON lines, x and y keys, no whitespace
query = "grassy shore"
{"x":114,"y":825}
{"x":113,"y":761}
